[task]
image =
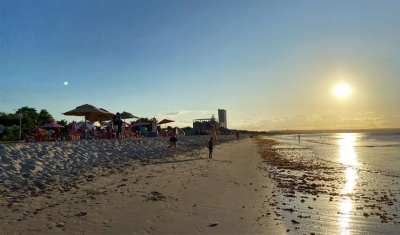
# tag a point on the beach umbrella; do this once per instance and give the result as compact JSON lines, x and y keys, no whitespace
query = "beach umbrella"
{"x":208,"y":126}
{"x":51,"y":126}
{"x":84,"y":126}
{"x":165,"y":121}
{"x":140,"y":124}
{"x":73,"y":128}
{"x":100,"y":117}
{"x":125,"y":115}
{"x":154,"y":125}
{"x":96,"y":124}
{"x":85,"y":110}
{"x":38,"y":130}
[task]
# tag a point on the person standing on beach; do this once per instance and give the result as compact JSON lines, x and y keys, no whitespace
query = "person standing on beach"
{"x":237,"y":135}
{"x":299,"y":138}
{"x":210,"y":146}
{"x":172,"y":142}
{"x":115,"y":124}
{"x":119,"y":127}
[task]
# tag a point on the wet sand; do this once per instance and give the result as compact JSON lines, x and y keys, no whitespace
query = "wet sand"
{"x":174,"y":195}
{"x":325,"y":197}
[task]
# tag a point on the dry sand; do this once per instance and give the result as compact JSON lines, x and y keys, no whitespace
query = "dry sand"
{"x":179,"y":195}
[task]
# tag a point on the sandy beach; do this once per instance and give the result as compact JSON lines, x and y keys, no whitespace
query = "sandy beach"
{"x":178,"y":194}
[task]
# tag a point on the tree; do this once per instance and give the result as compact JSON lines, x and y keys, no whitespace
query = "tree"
{"x":44,"y":117}
{"x":67,"y":127}
{"x":8,"y":119}
{"x":29,"y":118}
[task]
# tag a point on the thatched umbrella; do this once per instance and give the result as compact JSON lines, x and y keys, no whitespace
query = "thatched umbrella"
{"x":100,"y":117}
{"x":85,"y":110}
{"x":125,"y":115}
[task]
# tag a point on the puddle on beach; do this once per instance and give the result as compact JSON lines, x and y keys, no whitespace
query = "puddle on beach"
{"x":332,"y":196}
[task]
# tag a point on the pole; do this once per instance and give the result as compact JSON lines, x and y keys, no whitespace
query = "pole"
{"x":20,"y":124}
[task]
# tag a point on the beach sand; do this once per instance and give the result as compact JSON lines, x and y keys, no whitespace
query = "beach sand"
{"x":175,"y":195}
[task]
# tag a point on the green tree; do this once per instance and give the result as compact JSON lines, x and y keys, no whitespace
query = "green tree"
{"x":8,"y":119}
{"x":12,"y":133}
{"x":44,"y":117}
{"x":67,"y":127}
{"x":29,"y":118}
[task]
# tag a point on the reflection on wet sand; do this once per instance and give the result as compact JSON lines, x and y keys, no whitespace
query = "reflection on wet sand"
{"x":328,"y":189}
{"x":348,"y":157}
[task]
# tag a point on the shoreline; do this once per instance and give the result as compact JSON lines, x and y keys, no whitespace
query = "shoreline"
{"x":176,"y":195}
{"x":319,"y":195}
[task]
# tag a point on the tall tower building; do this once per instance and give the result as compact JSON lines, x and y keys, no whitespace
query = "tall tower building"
{"x":222,"y":118}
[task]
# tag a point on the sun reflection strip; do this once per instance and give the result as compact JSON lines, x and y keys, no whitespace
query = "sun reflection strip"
{"x":348,"y":157}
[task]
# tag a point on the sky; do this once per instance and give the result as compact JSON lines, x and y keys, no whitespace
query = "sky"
{"x":272,"y":65}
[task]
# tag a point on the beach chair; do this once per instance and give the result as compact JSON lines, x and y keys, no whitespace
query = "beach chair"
{"x":59,"y":136}
{"x":29,"y":139}
{"x":39,"y":138}
{"x":110,"y":134}
{"x":136,"y":134}
{"x":128,"y":134}
{"x":53,"y":137}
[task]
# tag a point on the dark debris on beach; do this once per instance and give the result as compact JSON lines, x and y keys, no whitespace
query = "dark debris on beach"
{"x":297,"y":177}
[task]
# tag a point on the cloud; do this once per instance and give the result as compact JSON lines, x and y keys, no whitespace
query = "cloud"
{"x":361,"y":120}
{"x":181,"y":112}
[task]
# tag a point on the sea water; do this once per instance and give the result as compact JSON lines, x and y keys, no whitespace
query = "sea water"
{"x":368,"y":183}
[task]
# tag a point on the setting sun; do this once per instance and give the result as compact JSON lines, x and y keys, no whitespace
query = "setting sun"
{"x":342,"y":90}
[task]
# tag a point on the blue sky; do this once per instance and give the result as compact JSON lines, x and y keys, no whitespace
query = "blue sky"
{"x":270,"y":64}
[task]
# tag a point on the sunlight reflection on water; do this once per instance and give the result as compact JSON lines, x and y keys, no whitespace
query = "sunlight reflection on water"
{"x":348,"y":157}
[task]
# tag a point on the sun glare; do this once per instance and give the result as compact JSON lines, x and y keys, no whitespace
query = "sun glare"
{"x":342,"y":90}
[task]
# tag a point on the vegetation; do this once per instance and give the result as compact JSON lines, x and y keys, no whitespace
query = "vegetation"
{"x":31,"y":118}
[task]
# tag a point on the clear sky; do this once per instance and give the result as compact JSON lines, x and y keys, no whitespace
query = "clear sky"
{"x":270,"y":64}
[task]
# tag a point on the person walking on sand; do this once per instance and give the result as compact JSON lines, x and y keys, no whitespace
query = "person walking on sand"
{"x":119,"y":127}
{"x":237,"y":135}
{"x":115,"y":124}
{"x":299,"y":138}
{"x":210,"y":146}
{"x":172,"y":142}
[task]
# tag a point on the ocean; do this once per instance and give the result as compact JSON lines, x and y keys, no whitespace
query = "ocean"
{"x":358,"y":192}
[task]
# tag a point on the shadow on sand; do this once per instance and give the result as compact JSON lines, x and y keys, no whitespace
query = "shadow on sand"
{"x":177,"y":161}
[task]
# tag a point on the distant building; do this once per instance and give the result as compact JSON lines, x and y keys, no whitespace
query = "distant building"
{"x":222,"y":118}
{"x":199,"y":124}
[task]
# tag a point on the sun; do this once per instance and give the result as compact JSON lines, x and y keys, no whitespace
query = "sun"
{"x":342,"y":90}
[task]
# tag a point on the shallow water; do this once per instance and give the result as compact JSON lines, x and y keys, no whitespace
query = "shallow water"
{"x":358,"y":194}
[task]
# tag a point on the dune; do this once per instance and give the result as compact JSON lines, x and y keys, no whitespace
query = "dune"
{"x":140,"y":188}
